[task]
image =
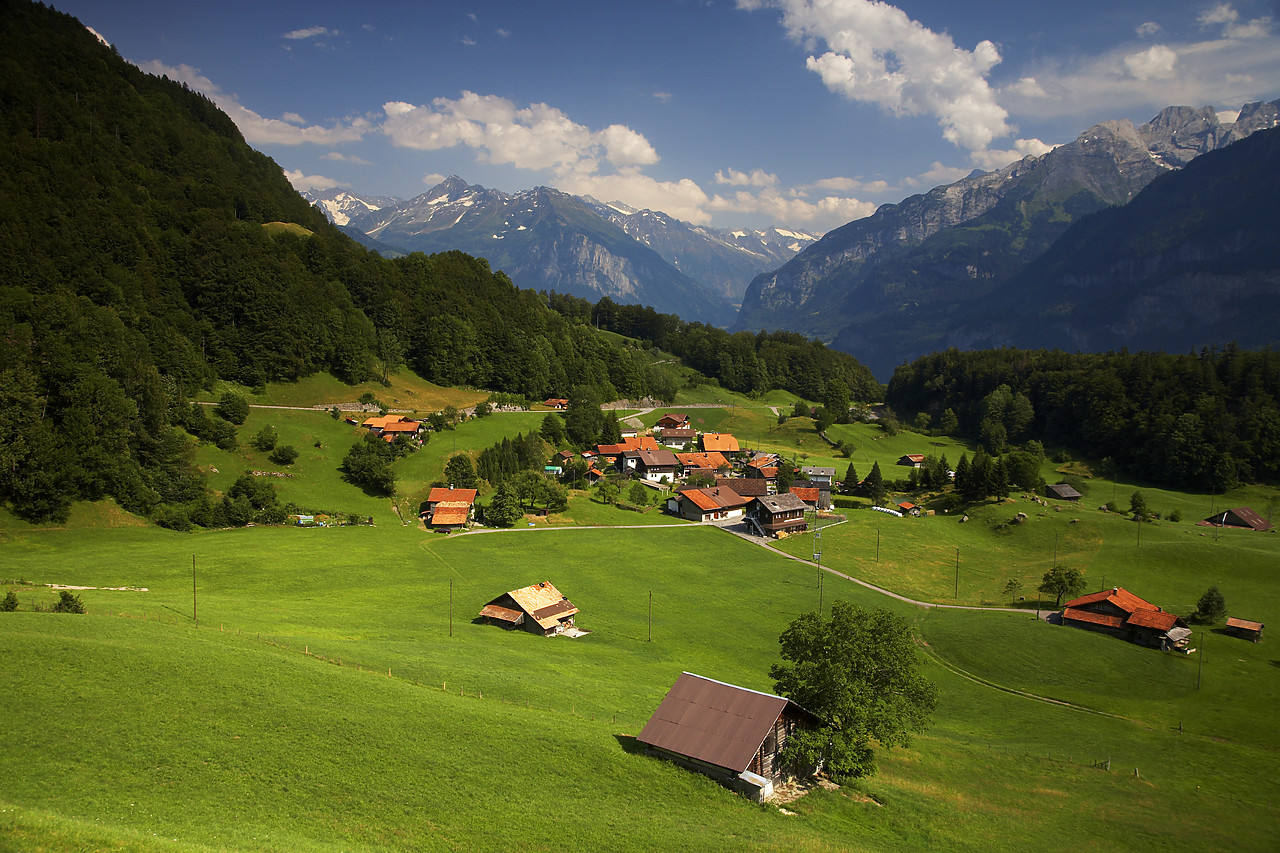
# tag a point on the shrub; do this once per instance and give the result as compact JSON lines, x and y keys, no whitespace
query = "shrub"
{"x":10,"y":602}
{"x":68,"y":603}
{"x":1175,"y":515}
{"x":232,"y":407}
{"x":265,"y":440}
{"x":285,"y":454}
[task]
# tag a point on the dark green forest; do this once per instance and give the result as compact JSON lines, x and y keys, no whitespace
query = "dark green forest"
{"x":139,"y":265}
{"x":1206,"y":421}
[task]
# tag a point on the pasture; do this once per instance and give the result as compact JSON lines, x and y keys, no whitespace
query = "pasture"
{"x":337,"y":692}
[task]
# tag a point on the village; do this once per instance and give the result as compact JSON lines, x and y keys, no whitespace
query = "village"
{"x":730,"y":733}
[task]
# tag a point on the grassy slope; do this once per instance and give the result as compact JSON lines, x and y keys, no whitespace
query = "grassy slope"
{"x":131,"y":721}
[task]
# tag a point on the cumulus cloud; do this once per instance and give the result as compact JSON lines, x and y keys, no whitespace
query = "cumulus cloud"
{"x":534,"y":137}
{"x":990,"y":160}
{"x":258,"y":129}
{"x":302,"y":182}
{"x":1156,"y":62}
{"x":937,"y":175}
{"x":1149,"y":28}
{"x":309,"y":32}
{"x":876,"y":54}
{"x":339,"y":157}
{"x":793,"y":207}
{"x":756,"y":178}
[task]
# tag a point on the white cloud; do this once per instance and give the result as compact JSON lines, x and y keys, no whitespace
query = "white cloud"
{"x":1225,"y":14}
{"x":309,"y":32}
{"x":302,"y":182}
{"x":991,"y":160}
{"x":502,"y":33}
{"x":257,"y":129}
{"x":98,"y":36}
{"x":1028,"y":87}
{"x":534,"y":137}
{"x":339,"y":157}
{"x":937,"y":175}
{"x":683,"y":198}
{"x":293,"y":118}
{"x":1156,"y":62}
{"x":877,"y":54}
{"x":433,"y":178}
{"x":663,"y":96}
{"x":790,"y":207}
{"x":1149,"y":28}
{"x":757,"y":178}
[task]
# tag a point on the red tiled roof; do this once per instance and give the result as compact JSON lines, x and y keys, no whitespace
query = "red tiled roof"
{"x":1233,"y":622}
{"x":701,"y":500}
{"x":1120,"y":597}
{"x":806,"y":495}
{"x":713,"y":460}
{"x":446,"y":494}
{"x":402,"y":426}
{"x":449,"y":515}
{"x":1075,"y":615}
{"x":1158,"y":619}
{"x":721,"y":441}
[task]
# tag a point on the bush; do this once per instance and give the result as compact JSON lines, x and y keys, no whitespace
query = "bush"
{"x":68,"y":603}
{"x":265,"y":440}
{"x":10,"y":602}
{"x":232,"y":407}
{"x":285,"y":454}
{"x":1175,"y":515}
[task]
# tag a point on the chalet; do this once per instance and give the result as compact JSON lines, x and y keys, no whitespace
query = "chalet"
{"x":748,"y":488}
{"x":628,"y":432}
{"x":1063,"y":492}
{"x":448,"y":508}
{"x":732,"y":734}
{"x":824,"y":491}
{"x":594,"y":474}
{"x":556,"y":403}
{"x":908,"y":508}
{"x":719,"y":441}
{"x":712,"y":504}
{"x":766,"y":473}
{"x":1122,"y":614}
{"x":641,"y":442}
{"x":710,"y":462}
{"x":1242,"y":517}
{"x":539,"y":609}
{"x":819,"y":475}
{"x":392,"y":425}
{"x":1245,"y":629}
{"x":651,"y":465}
{"x":912,"y":460}
{"x":777,"y":515}
{"x":671,"y":421}
{"x":678,"y":437}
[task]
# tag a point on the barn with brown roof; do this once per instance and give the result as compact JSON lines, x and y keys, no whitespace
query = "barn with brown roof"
{"x":1120,"y":613}
{"x":539,"y":609}
{"x":730,"y":733}
{"x":1242,"y":517}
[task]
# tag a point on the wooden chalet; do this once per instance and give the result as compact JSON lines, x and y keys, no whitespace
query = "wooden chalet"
{"x":908,"y":508}
{"x":747,"y":487}
{"x":1063,"y":492}
{"x":763,"y":469}
{"x":1122,"y":614}
{"x":678,"y":437}
{"x":911,"y":459}
{"x":1242,"y":517}
{"x":1245,"y":629}
{"x":448,"y":508}
{"x":732,"y":734}
{"x":556,"y":403}
{"x":777,"y":515}
{"x":711,"y":504}
{"x":819,"y":475}
{"x":651,"y":465}
{"x":810,"y":495}
{"x":824,"y":492}
{"x":722,"y":442}
{"x":390,"y":426}
{"x":672,"y":421}
{"x":640,"y":442}
{"x":712,"y":462}
{"x":538,"y":609}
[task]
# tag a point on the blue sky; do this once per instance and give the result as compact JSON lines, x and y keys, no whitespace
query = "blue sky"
{"x":800,"y":113}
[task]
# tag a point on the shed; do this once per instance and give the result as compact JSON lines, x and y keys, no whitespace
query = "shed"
{"x":1241,"y":516}
{"x":1244,"y":629}
{"x":727,"y":732}
{"x":911,"y":459}
{"x":1063,"y":492}
{"x":539,"y":609}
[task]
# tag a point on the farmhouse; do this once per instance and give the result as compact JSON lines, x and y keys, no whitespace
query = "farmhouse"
{"x":448,"y":508}
{"x":810,"y":495}
{"x":777,"y":515}
{"x":744,"y":486}
{"x":1063,"y":492}
{"x":912,"y":459}
{"x":392,"y":425}
{"x":908,"y":508}
{"x":1120,"y":613}
{"x":824,"y":501}
{"x":711,"y":462}
{"x":678,"y":437}
{"x":732,"y":734}
{"x":1245,"y":629}
{"x":721,"y":441}
{"x":1241,"y":516}
{"x":539,"y":609}
{"x":673,"y":421}
{"x":819,"y":475}
{"x":651,"y":465}
{"x":556,"y":403}
{"x":713,"y":504}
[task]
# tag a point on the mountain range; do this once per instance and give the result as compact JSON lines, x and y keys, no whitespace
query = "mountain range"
{"x":548,"y":240}
{"x":932,"y":271}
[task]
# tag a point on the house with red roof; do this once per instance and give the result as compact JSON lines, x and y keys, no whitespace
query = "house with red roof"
{"x":673,"y":421}
{"x":711,"y":463}
{"x":719,"y":441}
{"x":716,"y":503}
{"x":448,"y":508}
{"x":1122,"y":614}
{"x":539,"y":609}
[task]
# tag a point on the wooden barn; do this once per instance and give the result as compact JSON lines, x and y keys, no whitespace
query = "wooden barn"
{"x":732,"y":734}
{"x":1242,"y":517}
{"x":1122,"y":614}
{"x":1063,"y":492}
{"x":538,"y":609}
{"x":1245,"y":629}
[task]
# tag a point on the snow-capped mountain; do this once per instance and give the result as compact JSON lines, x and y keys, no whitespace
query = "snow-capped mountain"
{"x":549,"y":240}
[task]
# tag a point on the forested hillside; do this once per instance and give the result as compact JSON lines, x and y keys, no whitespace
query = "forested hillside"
{"x":1206,"y":421}
{"x":147,"y":252}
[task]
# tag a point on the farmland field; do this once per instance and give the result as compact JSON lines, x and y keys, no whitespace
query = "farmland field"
{"x":336,"y":692}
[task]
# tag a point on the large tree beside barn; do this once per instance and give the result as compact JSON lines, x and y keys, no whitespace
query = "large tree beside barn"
{"x":856,"y":671}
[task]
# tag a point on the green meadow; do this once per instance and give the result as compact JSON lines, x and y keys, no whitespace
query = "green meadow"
{"x":336,"y":693}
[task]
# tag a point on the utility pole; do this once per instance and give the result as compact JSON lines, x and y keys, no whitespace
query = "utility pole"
{"x":450,"y":607}
{"x":193,"y":590}
{"x":1200,"y":667}
{"x":877,"y":544}
{"x":817,"y":556}
{"x":651,"y":616}
{"x":957,"y":595}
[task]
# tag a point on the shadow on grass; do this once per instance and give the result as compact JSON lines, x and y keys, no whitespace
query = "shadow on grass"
{"x":630,"y":745}
{"x":179,"y":612}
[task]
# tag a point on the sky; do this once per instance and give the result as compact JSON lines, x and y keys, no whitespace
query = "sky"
{"x":732,"y":113}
